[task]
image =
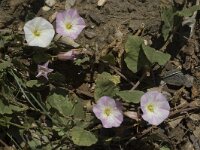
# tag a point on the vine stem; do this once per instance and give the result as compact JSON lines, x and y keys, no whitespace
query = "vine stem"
{"x":139,"y":81}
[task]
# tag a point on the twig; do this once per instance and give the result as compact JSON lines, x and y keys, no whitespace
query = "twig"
{"x":3,"y":143}
{"x":84,"y":93}
{"x":139,"y":81}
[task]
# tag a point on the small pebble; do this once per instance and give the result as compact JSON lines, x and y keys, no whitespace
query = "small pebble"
{"x":69,"y":4}
{"x":95,"y":18}
{"x":50,"y":3}
{"x":46,"y":8}
{"x":101,"y":2}
{"x":89,"y":34}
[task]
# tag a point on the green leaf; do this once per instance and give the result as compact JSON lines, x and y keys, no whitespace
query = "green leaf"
{"x":57,"y":77}
{"x":164,"y":148}
{"x":81,"y":61}
{"x":131,"y":96}
{"x":186,"y":12}
{"x":105,"y":86}
{"x":78,"y":110}
{"x":5,"y":109}
{"x":5,"y":65}
{"x":82,"y":137}
{"x":32,"y":83}
{"x":109,"y":58}
{"x":155,"y":56}
{"x":133,"y":49}
{"x":61,"y":103}
{"x":167,"y":17}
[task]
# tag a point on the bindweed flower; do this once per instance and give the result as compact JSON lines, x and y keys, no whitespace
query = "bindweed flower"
{"x":69,"y":23}
{"x":39,"y":32}
{"x":109,"y":112}
{"x":43,"y":70}
{"x":70,"y":55}
{"x":155,"y":107}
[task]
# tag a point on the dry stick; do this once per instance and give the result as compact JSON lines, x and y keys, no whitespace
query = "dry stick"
{"x":141,"y":135}
{"x":139,"y":81}
{"x":184,"y":109}
{"x":149,"y":129}
{"x":4,"y":144}
{"x":84,"y":93}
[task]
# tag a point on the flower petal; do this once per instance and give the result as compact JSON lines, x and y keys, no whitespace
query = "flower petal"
{"x":115,"y":117}
{"x":71,"y":17}
{"x":160,"y":110}
{"x":45,"y":29}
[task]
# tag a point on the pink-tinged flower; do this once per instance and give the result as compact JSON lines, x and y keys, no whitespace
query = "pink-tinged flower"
{"x":109,"y":112}
{"x":70,"y":55}
{"x":39,"y":32}
{"x":43,"y":70}
{"x":155,"y":107}
{"x":69,"y":23}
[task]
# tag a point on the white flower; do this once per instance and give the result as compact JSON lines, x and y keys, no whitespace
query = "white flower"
{"x":39,"y":32}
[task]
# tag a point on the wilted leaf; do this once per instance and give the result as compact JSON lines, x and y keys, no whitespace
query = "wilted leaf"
{"x":82,"y":137}
{"x":133,"y":48}
{"x":105,"y":86}
{"x":167,"y":16}
{"x":130,"y":96}
{"x":176,"y":121}
{"x":186,"y":12}
{"x":69,"y":41}
{"x":155,"y":56}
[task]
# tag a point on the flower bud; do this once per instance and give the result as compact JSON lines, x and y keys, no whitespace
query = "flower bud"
{"x":70,"y":55}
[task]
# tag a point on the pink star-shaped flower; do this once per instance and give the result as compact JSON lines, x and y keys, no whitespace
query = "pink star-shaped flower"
{"x":43,"y":70}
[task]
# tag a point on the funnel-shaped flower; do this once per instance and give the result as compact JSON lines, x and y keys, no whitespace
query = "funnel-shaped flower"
{"x":39,"y":32}
{"x":109,"y":112}
{"x":70,"y":55}
{"x":155,"y":107}
{"x":69,"y":23}
{"x":43,"y":70}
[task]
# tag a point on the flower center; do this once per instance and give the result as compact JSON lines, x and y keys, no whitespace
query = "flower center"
{"x":107,"y":111}
{"x":150,"y":108}
{"x":68,"y":26}
{"x":36,"y":33}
